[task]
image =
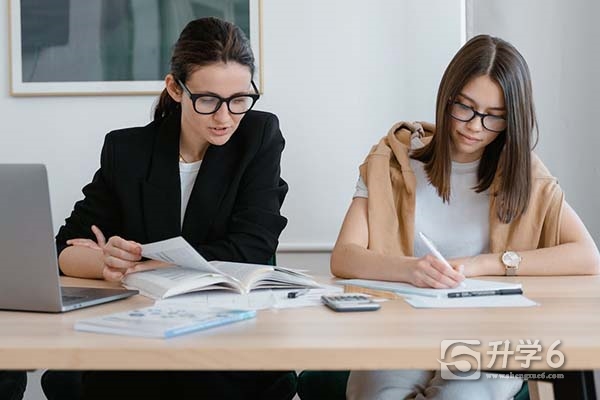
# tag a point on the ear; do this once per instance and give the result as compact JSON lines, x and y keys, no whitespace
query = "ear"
{"x":173,"y":88}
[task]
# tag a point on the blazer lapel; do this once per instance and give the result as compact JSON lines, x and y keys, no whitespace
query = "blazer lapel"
{"x":214,"y":177}
{"x":161,"y":192}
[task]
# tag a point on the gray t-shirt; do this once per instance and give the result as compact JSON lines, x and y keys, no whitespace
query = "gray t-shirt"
{"x":459,"y":228}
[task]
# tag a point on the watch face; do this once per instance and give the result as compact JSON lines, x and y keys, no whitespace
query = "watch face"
{"x":511,"y":259}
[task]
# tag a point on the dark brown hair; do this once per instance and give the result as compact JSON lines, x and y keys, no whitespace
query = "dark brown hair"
{"x":203,"y":42}
{"x":511,"y":150}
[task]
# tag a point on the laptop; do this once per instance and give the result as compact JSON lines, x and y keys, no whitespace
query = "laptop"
{"x":29,"y":277}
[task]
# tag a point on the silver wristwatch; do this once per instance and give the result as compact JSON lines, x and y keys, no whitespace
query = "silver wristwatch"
{"x":511,"y":261}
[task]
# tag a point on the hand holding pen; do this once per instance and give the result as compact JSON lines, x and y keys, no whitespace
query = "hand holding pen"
{"x":450,"y":276}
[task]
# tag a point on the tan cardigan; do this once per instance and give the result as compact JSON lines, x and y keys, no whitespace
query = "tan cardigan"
{"x":391,"y":204}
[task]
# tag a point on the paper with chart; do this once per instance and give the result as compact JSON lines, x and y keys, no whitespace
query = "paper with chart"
{"x":162,"y":321}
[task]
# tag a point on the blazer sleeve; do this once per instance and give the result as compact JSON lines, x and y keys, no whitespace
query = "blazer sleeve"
{"x":255,"y":223}
{"x":98,"y":207}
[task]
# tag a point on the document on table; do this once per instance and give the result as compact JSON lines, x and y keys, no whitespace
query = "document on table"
{"x":470,"y":302}
{"x":161,"y":322}
{"x":255,"y":300}
{"x":177,"y":251}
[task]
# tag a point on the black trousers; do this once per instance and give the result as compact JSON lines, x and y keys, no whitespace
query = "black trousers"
{"x":184,"y":385}
{"x":12,"y":384}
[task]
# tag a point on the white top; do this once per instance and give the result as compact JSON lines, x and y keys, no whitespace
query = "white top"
{"x":187,"y":177}
{"x":459,"y":228}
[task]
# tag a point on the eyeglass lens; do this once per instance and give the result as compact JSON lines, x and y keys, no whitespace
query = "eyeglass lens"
{"x":237,"y":105}
{"x":465,"y":113}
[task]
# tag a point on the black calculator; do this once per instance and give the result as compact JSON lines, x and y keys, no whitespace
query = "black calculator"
{"x":350,"y":302}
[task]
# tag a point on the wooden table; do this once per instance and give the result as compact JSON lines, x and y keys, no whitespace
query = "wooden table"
{"x":398,"y":336}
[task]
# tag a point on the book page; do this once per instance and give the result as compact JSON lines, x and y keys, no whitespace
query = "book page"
{"x":177,"y":251}
{"x":243,"y":272}
{"x":165,"y":282}
{"x":242,"y":276}
{"x":280,"y":278}
{"x":253,"y":276}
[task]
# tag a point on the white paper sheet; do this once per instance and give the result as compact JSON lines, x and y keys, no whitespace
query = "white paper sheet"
{"x":402,"y":288}
{"x":177,"y":251}
{"x":255,"y":300}
{"x":470,"y":302}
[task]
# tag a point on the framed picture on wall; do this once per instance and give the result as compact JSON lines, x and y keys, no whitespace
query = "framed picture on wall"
{"x":109,"y":47}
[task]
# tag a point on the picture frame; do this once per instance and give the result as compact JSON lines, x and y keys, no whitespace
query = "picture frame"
{"x":91,"y":48}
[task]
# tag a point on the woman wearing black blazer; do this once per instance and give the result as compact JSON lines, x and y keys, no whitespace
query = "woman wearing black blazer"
{"x":207,"y":168}
{"x":233,"y":209}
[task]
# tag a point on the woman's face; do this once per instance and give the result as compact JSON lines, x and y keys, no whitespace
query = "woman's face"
{"x":470,"y":138}
{"x":220,"y":79}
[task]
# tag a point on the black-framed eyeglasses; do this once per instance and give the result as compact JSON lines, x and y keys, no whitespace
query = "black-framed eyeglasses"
{"x":209,"y":103}
{"x":465,"y":113}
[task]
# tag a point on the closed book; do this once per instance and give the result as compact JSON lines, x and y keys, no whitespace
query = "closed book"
{"x":161,"y":321}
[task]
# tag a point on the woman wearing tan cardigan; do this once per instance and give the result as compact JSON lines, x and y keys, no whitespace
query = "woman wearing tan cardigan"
{"x":474,"y":186}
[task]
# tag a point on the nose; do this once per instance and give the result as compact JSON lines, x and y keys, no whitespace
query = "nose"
{"x":476,"y":124}
{"x":222,"y":114}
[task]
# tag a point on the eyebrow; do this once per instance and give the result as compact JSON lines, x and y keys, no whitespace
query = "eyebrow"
{"x":218,"y":95}
{"x":474,"y":102}
{"x":209,"y":93}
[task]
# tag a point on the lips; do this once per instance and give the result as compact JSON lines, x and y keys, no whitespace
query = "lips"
{"x":469,"y":139}
{"x":219,"y":130}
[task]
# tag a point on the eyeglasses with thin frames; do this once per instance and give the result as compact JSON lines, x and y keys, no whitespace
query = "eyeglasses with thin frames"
{"x":465,"y":113}
{"x":206,"y":104}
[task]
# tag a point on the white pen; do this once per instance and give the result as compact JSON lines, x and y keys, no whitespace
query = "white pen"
{"x":436,"y":252}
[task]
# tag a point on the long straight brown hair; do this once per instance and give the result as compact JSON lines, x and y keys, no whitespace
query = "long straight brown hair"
{"x":511,"y":150}
{"x":203,"y":42}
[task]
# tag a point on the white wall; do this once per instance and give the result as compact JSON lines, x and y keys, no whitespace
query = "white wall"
{"x":338,"y":74}
{"x":560,"y":41}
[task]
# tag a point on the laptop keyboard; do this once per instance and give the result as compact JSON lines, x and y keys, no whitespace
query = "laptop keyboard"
{"x":72,"y":299}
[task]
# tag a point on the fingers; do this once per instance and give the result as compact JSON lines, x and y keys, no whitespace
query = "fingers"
{"x":144,"y":266}
{"x":433,"y":273}
{"x":119,"y":255}
{"x":84,"y":243}
{"x":112,"y":274}
{"x":453,"y":274}
{"x":139,"y":267}
{"x":117,"y":274}
{"x":99,"y":236}
{"x":120,"y":248}
{"x":427,"y":281}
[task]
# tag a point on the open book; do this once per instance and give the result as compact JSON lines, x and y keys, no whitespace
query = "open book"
{"x":191,"y":272}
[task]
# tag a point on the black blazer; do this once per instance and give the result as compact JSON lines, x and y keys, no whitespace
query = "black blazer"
{"x":233,"y":211}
